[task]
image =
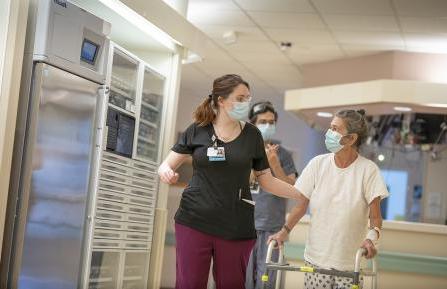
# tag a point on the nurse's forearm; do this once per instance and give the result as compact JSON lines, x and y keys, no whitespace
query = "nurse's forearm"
{"x":276,"y":186}
{"x":280,"y":174}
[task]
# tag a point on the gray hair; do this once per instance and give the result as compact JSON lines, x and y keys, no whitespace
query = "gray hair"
{"x":355,"y":123}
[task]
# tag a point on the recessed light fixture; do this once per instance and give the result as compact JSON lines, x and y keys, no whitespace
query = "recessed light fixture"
{"x":402,"y":108}
{"x":381,"y":157}
{"x":324,"y":114}
{"x":440,"y":105}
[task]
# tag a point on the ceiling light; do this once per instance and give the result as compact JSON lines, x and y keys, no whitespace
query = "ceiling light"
{"x":402,"y":108}
{"x":142,"y":23}
{"x":381,"y":158}
{"x":440,"y":105}
{"x":324,"y":114}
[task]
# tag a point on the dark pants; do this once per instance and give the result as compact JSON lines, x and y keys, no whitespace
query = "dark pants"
{"x":194,"y":252}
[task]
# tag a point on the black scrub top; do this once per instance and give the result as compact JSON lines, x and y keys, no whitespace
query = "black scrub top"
{"x":211,"y":203}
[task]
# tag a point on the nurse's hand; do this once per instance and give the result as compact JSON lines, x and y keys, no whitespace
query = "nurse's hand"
{"x":369,"y":246}
{"x":167,"y":175}
{"x":279,"y":237}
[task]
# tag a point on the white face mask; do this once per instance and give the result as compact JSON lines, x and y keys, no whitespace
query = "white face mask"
{"x":240,"y":110}
{"x":332,"y":141}
{"x":267,"y":130}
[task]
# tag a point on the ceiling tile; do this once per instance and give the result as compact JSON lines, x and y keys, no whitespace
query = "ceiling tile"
{"x":301,"y":6}
{"x":288,"y":20}
{"x":353,"y":50}
{"x":259,"y":57}
{"x":424,"y":24}
{"x":361,"y":7}
{"x":213,"y":6}
{"x":369,"y":38}
{"x":315,"y":53}
{"x":425,"y":8}
{"x":262,"y":69}
{"x":219,"y":68}
{"x":242,"y":32}
{"x":361,"y":22}
{"x":203,"y":16}
{"x":213,"y":52}
{"x":251,"y":46}
{"x":301,"y":37}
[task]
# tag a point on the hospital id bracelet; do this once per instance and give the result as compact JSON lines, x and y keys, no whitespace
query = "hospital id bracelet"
{"x":379,"y":232}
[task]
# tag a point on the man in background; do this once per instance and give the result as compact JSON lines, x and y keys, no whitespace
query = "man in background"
{"x":270,"y":210}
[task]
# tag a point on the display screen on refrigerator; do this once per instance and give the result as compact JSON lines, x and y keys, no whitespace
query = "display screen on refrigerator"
{"x":120,"y":128}
{"x":89,"y":51}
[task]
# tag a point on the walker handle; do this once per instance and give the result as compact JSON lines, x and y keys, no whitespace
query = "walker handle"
{"x":271,"y":247}
{"x":358,"y":256}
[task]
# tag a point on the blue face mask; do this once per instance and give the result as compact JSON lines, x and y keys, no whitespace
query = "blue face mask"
{"x":332,"y":141}
{"x":240,"y":110}
{"x":267,"y":130}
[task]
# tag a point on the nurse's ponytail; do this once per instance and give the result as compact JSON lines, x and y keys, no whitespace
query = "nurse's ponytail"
{"x":204,"y":113}
{"x":223,"y":86}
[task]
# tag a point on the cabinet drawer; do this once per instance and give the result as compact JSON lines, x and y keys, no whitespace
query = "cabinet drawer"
{"x":116,"y":159}
{"x":116,"y":168}
{"x":110,"y":205}
{"x":113,"y":177}
{"x":112,"y":186}
{"x":105,"y":243}
{"x":138,"y":236}
{"x":134,"y":200}
{"x":143,"y":192}
{"x":144,"y":183}
{"x":112,"y":196}
{"x":134,"y":209}
{"x":147,"y":219}
{"x":145,"y":167}
{"x":110,"y":215}
{"x":139,"y":227}
{"x":111,"y":225}
{"x":107,"y":234}
{"x":135,"y":245}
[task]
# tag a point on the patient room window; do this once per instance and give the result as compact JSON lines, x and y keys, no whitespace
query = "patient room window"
{"x":393,"y":208}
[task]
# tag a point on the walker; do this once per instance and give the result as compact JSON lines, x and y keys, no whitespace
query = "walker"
{"x":281,"y":266}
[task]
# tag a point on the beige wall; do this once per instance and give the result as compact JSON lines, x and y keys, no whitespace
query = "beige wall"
{"x":13,"y":18}
{"x":387,"y":65}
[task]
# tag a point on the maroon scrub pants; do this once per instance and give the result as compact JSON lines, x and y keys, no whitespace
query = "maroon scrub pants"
{"x":194,"y":253}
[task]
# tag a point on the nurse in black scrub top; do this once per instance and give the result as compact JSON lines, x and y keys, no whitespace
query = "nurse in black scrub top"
{"x":215,"y":218}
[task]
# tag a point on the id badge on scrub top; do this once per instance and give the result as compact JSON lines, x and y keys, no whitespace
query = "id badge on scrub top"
{"x":216,"y":154}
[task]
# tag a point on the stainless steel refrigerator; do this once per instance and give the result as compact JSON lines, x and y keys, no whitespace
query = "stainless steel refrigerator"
{"x":60,"y":147}
{"x":57,"y":146}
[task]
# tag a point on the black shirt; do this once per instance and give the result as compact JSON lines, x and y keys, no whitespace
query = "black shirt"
{"x":211,"y":202}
